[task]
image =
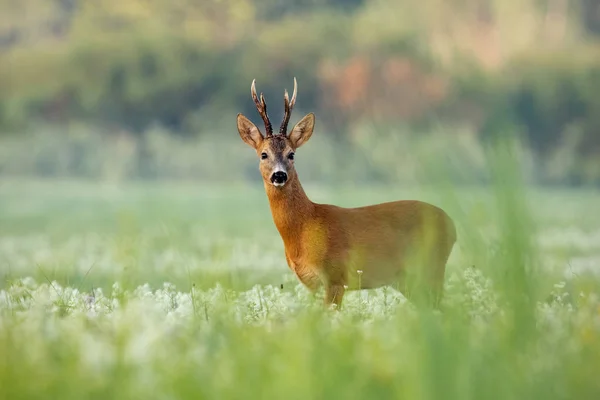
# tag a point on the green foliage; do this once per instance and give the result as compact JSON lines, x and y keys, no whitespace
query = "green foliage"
{"x":549,"y":97}
{"x":76,"y":314}
{"x":555,"y":90}
{"x":475,"y":65}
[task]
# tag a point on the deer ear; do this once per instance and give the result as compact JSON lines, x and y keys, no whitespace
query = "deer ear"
{"x":249,"y":132}
{"x":303,"y":130}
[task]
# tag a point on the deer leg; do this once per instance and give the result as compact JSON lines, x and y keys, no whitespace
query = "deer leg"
{"x":334,"y":294}
{"x":424,"y":287}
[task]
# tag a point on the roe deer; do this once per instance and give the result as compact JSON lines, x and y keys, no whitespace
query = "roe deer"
{"x":405,"y":244}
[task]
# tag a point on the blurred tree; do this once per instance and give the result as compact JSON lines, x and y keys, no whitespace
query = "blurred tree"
{"x":128,"y":64}
{"x":276,"y":9}
{"x":590,"y":15}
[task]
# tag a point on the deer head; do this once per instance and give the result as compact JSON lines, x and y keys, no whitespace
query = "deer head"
{"x":276,"y":152}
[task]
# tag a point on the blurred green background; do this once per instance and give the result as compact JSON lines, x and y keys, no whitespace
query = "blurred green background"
{"x":149,"y":89}
{"x":138,"y":256}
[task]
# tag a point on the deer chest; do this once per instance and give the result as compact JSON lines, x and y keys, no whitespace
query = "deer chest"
{"x":306,"y":274}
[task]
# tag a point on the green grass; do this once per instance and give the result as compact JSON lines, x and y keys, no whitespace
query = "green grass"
{"x":86,"y":310}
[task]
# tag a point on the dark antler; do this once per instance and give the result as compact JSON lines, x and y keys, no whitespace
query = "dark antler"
{"x":261,"y":106}
{"x":289,"y":106}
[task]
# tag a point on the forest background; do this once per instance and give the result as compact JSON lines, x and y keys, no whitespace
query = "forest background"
{"x":149,"y":89}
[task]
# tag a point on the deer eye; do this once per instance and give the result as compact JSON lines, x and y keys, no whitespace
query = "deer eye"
{"x":291,"y":156}
{"x":263,"y":156}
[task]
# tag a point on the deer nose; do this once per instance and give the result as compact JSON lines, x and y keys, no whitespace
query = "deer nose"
{"x":279,"y":178}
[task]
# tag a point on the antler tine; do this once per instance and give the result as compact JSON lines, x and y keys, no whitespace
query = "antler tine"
{"x":289,"y":106}
{"x":261,"y":106}
{"x":293,"y":101}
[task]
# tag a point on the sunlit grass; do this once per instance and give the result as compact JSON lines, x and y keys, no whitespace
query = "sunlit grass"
{"x":182,"y":291}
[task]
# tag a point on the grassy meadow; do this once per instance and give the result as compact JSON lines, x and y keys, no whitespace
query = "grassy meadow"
{"x":181,"y":290}
{"x":138,"y":255}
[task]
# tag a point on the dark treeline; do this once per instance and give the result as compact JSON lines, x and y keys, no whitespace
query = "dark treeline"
{"x":493,"y":66}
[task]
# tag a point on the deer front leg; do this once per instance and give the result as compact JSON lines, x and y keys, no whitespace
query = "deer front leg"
{"x":334,"y":294}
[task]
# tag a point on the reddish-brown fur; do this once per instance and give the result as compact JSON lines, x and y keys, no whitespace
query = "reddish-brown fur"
{"x":403,"y":243}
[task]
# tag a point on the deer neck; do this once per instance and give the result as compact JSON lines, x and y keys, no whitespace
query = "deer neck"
{"x":291,"y":209}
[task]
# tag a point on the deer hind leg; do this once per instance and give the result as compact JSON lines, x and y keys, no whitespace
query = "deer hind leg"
{"x":423,"y":281}
{"x":426,"y":286}
{"x":334,"y":293}
{"x":426,"y":259}
{"x":440,"y":273}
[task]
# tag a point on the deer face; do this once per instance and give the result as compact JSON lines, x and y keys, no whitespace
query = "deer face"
{"x":276,"y":152}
